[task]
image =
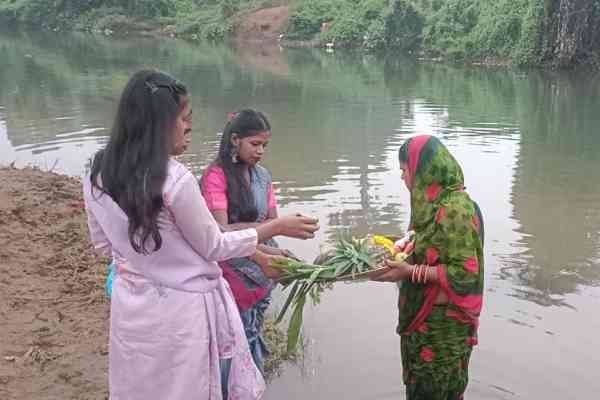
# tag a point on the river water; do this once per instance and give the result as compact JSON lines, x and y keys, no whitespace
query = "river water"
{"x":529,"y":143}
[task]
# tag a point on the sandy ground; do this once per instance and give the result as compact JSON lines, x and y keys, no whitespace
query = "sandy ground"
{"x":52,"y":306}
{"x":263,"y":26}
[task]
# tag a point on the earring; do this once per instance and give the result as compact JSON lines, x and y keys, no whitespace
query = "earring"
{"x":234,"y":154}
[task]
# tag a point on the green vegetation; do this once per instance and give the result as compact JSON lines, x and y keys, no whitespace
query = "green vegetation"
{"x":530,"y":32}
{"x":524,"y":32}
{"x":198,"y":19}
{"x":374,"y":24}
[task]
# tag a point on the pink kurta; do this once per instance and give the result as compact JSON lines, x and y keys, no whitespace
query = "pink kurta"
{"x":173,"y":317}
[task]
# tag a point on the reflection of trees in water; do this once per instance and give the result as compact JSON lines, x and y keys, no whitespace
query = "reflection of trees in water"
{"x":268,"y":57}
{"x":328,"y":138}
{"x":75,"y":78}
{"x":334,"y":120}
{"x":81,"y":76}
{"x":556,"y":194}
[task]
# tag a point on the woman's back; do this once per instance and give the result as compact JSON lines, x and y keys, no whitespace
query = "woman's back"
{"x":191,"y":243}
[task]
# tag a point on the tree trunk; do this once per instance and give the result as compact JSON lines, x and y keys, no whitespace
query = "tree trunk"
{"x":571,"y":32}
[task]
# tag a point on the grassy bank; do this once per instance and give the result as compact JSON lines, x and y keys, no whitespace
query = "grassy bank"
{"x":194,"y":19}
{"x":560,"y":33}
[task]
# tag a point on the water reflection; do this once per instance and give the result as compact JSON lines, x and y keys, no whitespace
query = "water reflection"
{"x":555,"y":193}
{"x":337,"y":122}
{"x":270,"y":58}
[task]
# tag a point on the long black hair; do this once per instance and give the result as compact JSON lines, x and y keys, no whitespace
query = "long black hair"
{"x":133,"y":165}
{"x":244,"y":123}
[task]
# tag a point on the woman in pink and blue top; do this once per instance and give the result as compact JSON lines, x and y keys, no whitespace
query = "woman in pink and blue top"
{"x":239,"y":192}
{"x":173,"y":320}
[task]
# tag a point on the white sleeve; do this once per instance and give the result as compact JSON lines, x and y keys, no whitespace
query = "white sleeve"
{"x":199,"y":227}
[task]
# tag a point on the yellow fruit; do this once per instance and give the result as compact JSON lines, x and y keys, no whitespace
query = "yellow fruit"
{"x":382,"y":241}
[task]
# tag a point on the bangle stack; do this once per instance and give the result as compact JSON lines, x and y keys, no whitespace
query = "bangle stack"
{"x":420,"y":274}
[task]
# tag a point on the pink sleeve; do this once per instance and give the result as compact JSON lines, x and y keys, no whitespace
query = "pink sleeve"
{"x":272,"y":198}
{"x":97,"y":236}
{"x":214,"y":189}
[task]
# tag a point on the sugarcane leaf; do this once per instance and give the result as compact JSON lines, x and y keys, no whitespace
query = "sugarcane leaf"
{"x":344,"y":269}
{"x":365,"y":262}
{"x":314,"y":276}
{"x":315,"y":293}
{"x":335,"y":260}
{"x":288,"y":301}
{"x":340,"y":267}
{"x":293,"y":332}
{"x":359,"y":266}
{"x":329,"y":273}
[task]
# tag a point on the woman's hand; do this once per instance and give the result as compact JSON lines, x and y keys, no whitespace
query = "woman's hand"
{"x":275,"y":251}
{"x":266,"y":262}
{"x":294,"y":226}
{"x":394,"y":271}
{"x":297,"y":226}
{"x":287,"y":253}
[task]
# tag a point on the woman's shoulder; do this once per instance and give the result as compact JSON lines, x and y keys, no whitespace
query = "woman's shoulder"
{"x":176,"y":170}
{"x":214,"y":174}
{"x":214,"y":170}
{"x":177,"y":173}
{"x":214,"y":179}
{"x":457,"y":210}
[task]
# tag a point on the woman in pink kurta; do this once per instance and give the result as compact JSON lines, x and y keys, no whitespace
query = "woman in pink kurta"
{"x":173,"y":319}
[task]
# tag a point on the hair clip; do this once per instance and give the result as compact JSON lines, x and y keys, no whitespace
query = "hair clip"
{"x":152,"y":86}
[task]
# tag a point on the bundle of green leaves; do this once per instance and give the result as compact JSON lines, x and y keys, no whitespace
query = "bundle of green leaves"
{"x":350,"y":259}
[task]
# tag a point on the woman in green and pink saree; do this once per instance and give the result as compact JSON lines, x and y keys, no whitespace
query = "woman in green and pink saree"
{"x":441,"y":291}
